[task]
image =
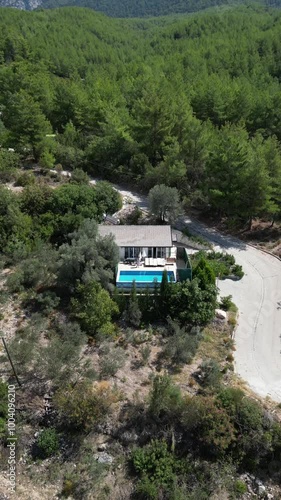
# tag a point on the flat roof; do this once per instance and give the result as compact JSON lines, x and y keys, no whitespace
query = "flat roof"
{"x":139,"y":236}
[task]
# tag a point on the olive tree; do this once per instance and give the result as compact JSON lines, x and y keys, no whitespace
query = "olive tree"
{"x":164,"y":203}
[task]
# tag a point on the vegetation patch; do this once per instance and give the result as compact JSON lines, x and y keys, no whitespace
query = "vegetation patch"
{"x":222,"y":264}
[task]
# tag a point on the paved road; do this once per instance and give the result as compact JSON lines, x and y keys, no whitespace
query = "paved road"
{"x":258,"y":297}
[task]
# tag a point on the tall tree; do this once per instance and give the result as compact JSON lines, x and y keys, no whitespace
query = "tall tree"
{"x":27,"y":124}
{"x":94,"y":308}
{"x":164,"y":202}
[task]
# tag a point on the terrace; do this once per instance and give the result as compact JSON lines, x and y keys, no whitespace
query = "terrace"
{"x":145,"y":252}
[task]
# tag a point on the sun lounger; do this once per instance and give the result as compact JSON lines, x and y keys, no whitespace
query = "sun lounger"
{"x":160,"y":262}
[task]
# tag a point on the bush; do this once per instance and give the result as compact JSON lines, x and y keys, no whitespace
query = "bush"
{"x":240,"y":487}
{"x":155,"y":462}
{"x":132,"y":314}
{"x":165,"y":399}
{"x":83,"y":405}
{"x":145,"y":353}
{"x":78,"y":176}
{"x":237,"y":271}
{"x":226,"y":302}
{"x":230,"y":398}
{"x":210,"y":375}
{"x":223,"y":265}
{"x":25,"y":179}
{"x":71,"y":332}
{"x":134,"y":216}
{"x":204,"y":273}
{"x":93,"y":307}
{"x":181,"y":346}
{"x":249,"y":415}
{"x":146,"y":489}
{"x":14,"y":282}
{"x":209,"y":425}
{"x":111,"y":361}
{"x":48,"y":443}
{"x":68,"y":488}
{"x":47,"y":302}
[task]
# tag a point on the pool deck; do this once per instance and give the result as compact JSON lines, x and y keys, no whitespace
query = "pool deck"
{"x":129,"y":267}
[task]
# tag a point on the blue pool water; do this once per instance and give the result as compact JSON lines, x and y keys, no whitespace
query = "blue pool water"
{"x":143,"y":277}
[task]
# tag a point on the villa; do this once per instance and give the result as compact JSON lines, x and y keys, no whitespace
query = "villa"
{"x":145,"y":251}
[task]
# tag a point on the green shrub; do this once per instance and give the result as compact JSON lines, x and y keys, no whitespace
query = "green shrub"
{"x":81,"y":406}
{"x":230,"y":398}
{"x":237,"y":271}
{"x":222,"y":264}
{"x":181,"y":345}
{"x":134,"y":216}
{"x":165,"y":398}
{"x":204,"y":273}
{"x":14,"y":282}
{"x":146,"y":489}
{"x":155,"y":462}
{"x":111,"y":361}
{"x":68,"y":488}
{"x":240,"y":487}
{"x":226,"y":302}
{"x":210,"y":375}
{"x":47,"y":301}
{"x":78,"y":176}
{"x":209,"y":424}
{"x":48,"y":443}
{"x":145,"y":353}
{"x":25,"y":179}
{"x":132,"y":314}
{"x":250,"y":415}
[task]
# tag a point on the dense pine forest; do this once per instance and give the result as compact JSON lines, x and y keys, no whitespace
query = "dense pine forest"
{"x":193,"y":103}
{"x":135,"y":8}
{"x":144,"y":8}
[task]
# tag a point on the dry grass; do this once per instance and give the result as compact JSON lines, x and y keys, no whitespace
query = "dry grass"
{"x":216,"y":343}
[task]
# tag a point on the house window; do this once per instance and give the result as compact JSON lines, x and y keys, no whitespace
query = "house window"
{"x":132,"y":252}
{"x":157,"y":252}
{"x":161,"y":253}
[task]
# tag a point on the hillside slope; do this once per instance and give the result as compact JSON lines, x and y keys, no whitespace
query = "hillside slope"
{"x":142,"y":8}
{"x":135,"y":8}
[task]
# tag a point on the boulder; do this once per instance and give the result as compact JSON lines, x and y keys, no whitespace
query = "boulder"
{"x":103,"y":458}
{"x":220,"y":314}
{"x":128,"y":437}
{"x":102,"y":447}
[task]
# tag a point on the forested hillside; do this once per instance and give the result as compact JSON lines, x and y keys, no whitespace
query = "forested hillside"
{"x":132,"y":395}
{"x":123,"y":8}
{"x":192,"y":103}
{"x":143,"y":8}
{"x":135,"y":8}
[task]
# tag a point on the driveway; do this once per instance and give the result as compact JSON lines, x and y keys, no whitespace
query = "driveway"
{"x":258,"y":297}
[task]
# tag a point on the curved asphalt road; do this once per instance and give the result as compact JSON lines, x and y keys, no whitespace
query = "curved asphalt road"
{"x":258,"y":297}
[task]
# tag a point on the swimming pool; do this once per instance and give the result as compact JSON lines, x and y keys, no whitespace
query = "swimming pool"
{"x":142,"y":277}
